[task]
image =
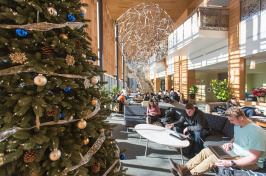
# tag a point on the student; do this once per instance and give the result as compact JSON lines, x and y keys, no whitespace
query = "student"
{"x":249,"y":143}
{"x":249,"y":111}
{"x":153,"y":112}
{"x":197,"y":126}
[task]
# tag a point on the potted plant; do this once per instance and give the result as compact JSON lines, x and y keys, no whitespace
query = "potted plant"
{"x":260,"y":94}
{"x":192,"y":91}
{"x":220,"y":89}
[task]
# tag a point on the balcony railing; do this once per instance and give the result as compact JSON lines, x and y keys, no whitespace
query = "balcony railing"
{"x":250,"y":8}
{"x":203,"y":18}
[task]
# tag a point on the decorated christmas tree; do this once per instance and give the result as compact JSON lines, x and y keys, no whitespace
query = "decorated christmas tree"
{"x":51,"y":106}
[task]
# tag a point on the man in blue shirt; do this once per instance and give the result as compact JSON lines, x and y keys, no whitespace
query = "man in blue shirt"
{"x":249,"y":143}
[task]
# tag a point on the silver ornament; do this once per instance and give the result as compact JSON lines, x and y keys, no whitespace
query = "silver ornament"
{"x":52,"y":11}
{"x":55,"y":155}
{"x":83,"y":10}
{"x":87,"y":83}
{"x":94,"y":80}
{"x":40,"y":80}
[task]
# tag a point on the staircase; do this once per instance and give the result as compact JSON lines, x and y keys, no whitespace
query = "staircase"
{"x":144,"y":84}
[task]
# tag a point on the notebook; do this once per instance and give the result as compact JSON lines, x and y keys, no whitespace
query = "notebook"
{"x":220,"y":152}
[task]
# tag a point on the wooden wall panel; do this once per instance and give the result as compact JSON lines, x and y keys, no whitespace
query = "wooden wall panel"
{"x":236,"y":65}
{"x":176,"y":73}
{"x":92,"y":26}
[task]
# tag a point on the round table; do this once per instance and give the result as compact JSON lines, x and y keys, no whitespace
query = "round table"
{"x":159,"y":135}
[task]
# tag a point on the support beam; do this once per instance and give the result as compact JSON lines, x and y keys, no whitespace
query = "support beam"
{"x":100,"y":37}
{"x":117,"y":53}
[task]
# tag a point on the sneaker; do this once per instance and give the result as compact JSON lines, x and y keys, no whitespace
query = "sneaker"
{"x":179,"y":168}
{"x":174,"y":172}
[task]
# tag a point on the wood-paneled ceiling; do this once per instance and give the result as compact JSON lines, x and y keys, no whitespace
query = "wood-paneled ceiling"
{"x":174,"y":8}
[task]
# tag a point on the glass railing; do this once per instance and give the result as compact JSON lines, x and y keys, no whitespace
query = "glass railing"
{"x":203,"y":18}
{"x":250,"y":8}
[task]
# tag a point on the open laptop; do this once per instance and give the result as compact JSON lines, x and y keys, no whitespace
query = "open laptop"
{"x":220,"y":152}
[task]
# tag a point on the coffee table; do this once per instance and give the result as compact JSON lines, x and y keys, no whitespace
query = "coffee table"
{"x":159,"y":135}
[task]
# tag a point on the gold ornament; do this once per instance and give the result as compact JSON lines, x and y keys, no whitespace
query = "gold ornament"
{"x":82,"y":124}
{"x":101,"y":130}
{"x":70,"y":60}
{"x":18,"y":57}
{"x":86,"y":141}
{"x":52,"y":11}
{"x":55,"y":155}
{"x":30,"y":156}
{"x":94,"y":102}
{"x":63,"y":36}
{"x":94,"y":80}
{"x":83,"y":10}
{"x":40,"y":80}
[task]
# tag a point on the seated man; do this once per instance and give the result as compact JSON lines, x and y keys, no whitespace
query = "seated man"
{"x":249,"y":143}
{"x":196,"y":125}
{"x":249,"y":111}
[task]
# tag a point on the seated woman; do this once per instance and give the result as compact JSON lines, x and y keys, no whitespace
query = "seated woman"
{"x":249,"y":111}
{"x":153,"y":112}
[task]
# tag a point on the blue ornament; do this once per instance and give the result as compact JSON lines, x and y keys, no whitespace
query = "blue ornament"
{"x":61,"y":116}
{"x":21,"y":32}
{"x":67,"y":89}
{"x":70,"y":17}
{"x":94,"y":59}
{"x":122,"y":156}
{"x":82,"y":15}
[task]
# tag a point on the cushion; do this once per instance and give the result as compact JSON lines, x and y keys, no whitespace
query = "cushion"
{"x":228,"y":129}
{"x":216,"y":123}
{"x":134,"y":110}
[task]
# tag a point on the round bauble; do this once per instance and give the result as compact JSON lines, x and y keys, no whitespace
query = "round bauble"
{"x":83,"y":10}
{"x":87,"y":83}
{"x":86,"y":141}
{"x":52,"y":11}
{"x":63,"y":36}
{"x":94,"y":102}
{"x":122,"y":156}
{"x":101,"y":130}
{"x":94,"y":80}
{"x":55,"y":155}
{"x":82,"y":124}
{"x":40,"y":80}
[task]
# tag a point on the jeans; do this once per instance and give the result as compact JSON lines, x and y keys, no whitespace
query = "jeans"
{"x":249,"y":111}
{"x":198,"y":137}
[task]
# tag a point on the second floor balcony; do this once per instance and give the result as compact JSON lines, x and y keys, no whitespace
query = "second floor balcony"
{"x":204,"y":27}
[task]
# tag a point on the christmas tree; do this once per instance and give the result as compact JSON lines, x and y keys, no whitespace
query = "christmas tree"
{"x":51,"y":110}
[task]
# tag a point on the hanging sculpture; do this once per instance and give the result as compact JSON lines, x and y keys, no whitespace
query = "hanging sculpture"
{"x":142,"y":33}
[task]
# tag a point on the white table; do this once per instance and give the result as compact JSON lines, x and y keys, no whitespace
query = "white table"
{"x":159,"y":135}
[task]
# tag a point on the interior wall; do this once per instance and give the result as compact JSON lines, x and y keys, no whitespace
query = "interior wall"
{"x":256,"y":77}
{"x":204,"y":84}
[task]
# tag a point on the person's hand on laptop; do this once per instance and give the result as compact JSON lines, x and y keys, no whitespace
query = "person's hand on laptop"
{"x":169,"y":126}
{"x":185,"y":130}
{"x":228,"y":146}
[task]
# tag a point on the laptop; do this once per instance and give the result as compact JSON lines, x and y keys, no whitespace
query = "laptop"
{"x":178,"y":135}
{"x":220,"y":152}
